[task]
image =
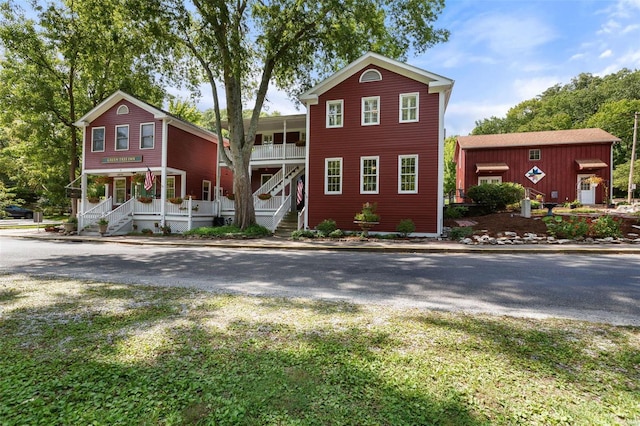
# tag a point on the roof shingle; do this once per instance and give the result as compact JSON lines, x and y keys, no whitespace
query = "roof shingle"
{"x":551,"y":137}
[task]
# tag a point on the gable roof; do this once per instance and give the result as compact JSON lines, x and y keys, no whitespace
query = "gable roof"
{"x":551,"y":137}
{"x":436,"y":83}
{"x":158,"y":114}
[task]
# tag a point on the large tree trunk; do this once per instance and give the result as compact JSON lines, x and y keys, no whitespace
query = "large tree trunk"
{"x":245,"y":215}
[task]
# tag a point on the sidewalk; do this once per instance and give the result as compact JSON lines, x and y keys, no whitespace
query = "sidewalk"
{"x":373,"y":245}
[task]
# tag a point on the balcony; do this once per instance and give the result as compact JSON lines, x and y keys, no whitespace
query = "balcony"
{"x":276,"y":153}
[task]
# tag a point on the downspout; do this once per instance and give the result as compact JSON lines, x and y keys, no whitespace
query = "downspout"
{"x":440,"y":164}
{"x":83,"y":181}
{"x":284,"y":155}
{"x":610,"y":173}
{"x":306,"y":167}
{"x":163,"y":170}
{"x":216,"y":197}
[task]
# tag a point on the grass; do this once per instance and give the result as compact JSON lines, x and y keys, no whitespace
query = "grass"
{"x":77,"y":352}
{"x":230,"y":231}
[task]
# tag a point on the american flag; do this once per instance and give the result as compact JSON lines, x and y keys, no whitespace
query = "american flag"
{"x":300,"y":192}
{"x":148,"y":180}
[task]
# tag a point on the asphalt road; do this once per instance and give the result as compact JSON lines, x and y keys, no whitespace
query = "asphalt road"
{"x":601,"y":288}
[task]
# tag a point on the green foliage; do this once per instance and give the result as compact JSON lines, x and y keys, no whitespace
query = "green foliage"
{"x":338,"y":233}
{"x":449,"y":165}
{"x":326,"y":227}
{"x":368,"y":213}
{"x":621,"y":175}
{"x":455,"y":212}
{"x":572,"y":227}
{"x":303,"y":233}
{"x":459,"y":232}
{"x":405,"y":227}
{"x":230,"y":231}
{"x":496,"y":196}
{"x":587,"y":101}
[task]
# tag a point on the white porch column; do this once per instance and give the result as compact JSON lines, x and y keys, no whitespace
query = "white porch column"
{"x":83,"y":188}
{"x":163,"y":171}
{"x":183,"y":184}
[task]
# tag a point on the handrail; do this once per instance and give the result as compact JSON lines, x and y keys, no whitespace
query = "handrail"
{"x":92,"y":215}
{"x":301,"y":218}
{"x":528,"y":191}
{"x":121,"y":211}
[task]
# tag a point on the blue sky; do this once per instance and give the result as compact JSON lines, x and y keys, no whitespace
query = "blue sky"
{"x":502,"y":52}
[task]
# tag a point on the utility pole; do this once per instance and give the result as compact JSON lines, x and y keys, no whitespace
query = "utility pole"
{"x":633,"y":156}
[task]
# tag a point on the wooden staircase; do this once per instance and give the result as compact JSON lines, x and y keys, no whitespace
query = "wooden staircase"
{"x":287,"y":225}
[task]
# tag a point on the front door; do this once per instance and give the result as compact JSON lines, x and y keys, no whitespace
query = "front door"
{"x":586,"y":191}
{"x":119,"y":190}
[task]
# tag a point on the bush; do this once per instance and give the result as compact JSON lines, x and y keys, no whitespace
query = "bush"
{"x":572,"y":227}
{"x":368,"y":213}
{"x":460,"y":232}
{"x":254,"y":231}
{"x":326,"y":227}
{"x":455,"y":212}
{"x":336,"y":234}
{"x":496,"y":196}
{"x":303,"y":233}
{"x":405,"y":227}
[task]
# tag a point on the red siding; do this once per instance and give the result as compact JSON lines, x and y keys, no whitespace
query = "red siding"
{"x":195,"y":155}
{"x":557,"y":162}
{"x":109,"y":120}
{"x":387,"y":140}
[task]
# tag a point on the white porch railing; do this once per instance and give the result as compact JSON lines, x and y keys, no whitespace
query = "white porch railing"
{"x":279,"y":180}
{"x":271,"y":220}
{"x":301,"y":218}
{"x":186,"y":208}
{"x":92,"y":215}
{"x":287,"y":151}
{"x":117,"y":216}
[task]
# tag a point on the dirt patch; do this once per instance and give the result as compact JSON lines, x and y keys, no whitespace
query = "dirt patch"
{"x":499,"y":223}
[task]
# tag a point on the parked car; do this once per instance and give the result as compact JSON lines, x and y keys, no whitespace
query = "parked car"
{"x":17,"y":211}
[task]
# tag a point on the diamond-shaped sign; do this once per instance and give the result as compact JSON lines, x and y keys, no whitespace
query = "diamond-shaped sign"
{"x":535,"y":174}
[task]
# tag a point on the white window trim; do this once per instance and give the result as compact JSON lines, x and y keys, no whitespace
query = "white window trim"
{"x":364,"y":100}
{"x":326,"y":176}
{"x":341,"y":103}
{"x":370,"y":70}
{"x":406,"y":95}
{"x":531,"y":151}
{"x":265,"y":136}
{"x":128,"y":138}
{"x":206,"y":183}
{"x":122,"y":110}
{"x":119,"y":181}
{"x":498,"y":178}
{"x":153,"y":135}
{"x":104,"y":137}
{"x":362,"y":160}
{"x":400,"y":190}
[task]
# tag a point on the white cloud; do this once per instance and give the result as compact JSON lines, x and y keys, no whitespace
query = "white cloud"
{"x":630,"y":28}
{"x":577,"y":56}
{"x":530,"y":88}
{"x":609,"y":27}
{"x":606,"y":54}
{"x":460,"y":117}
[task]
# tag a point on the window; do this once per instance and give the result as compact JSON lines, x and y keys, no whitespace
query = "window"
{"x":409,"y":107}
{"x":334,"y":113}
{"x":267,"y":140}
{"x":333,"y":176}
{"x":264,"y":178}
{"x":122,"y":110}
{"x":370,"y":115}
{"x":206,"y":190}
{"x":171,"y":187}
{"x":369,"y":175}
{"x":122,"y":138}
{"x":370,"y":75}
{"x":97,"y":139}
{"x":147,"y":132}
{"x":120,"y":190}
{"x":534,"y":154}
{"x":408,"y":174}
{"x":489,"y":179}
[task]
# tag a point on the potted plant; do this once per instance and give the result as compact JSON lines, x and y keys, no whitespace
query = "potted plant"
{"x":93,"y":199}
{"x":367,"y":218}
{"x":175,"y":200}
{"x":145,"y":200}
{"x":137,"y":178}
{"x":264,"y":196}
{"x":301,"y":142}
{"x":231,"y":197}
{"x":102,"y":225}
{"x":101,"y":180}
{"x":71,"y":224}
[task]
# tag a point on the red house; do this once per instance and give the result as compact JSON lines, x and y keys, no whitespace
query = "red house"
{"x":556,"y":164}
{"x":375,"y":134}
{"x":126,"y":140}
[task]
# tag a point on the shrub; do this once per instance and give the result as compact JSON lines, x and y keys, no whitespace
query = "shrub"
{"x":496,"y":196}
{"x":368,"y":213}
{"x":573,"y":227}
{"x":460,"y":232}
{"x":338,"y":233}
{"x":326,"y":227}
{"x":303,"y":233}
{"x":146,"y":231}
{"x":605,"y":226}
{"x":455,"y":212}
{"x":405,"y":227}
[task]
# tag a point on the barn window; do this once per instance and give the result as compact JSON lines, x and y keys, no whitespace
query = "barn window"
{"x":333,"y":176}
{"x":492,"y":180}
{"x":370,"y":75}
{"x":334,"y":113}
{"x":370,"y":111}
{"x":408,"y":107}
{"x":407,"y":174}
{"x":122,"y":110}
{"x":534,"y":154}
{"x":369,"y":175}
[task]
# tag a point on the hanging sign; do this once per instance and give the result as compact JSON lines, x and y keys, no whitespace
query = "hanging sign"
{"x":535,"y":174}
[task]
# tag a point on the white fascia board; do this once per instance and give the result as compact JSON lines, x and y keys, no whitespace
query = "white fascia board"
{"x":112,"y":100}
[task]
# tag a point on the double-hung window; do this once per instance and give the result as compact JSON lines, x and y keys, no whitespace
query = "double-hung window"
{"x":370,"y":111}
{"x":333,"y":176}
{"x":534,"y":154}
{"x":122,"y":137}
{"x":408,"y":174}
{"x":409,"y":107}
{"x":171,"y":187}
{"x":334,"y":113}
{"x":97,"y":139}
{"x":369,"y":174}
{"x":147,"y":131}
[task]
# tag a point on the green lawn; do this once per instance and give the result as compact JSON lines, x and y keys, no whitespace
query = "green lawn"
{"x":77,"y":353}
